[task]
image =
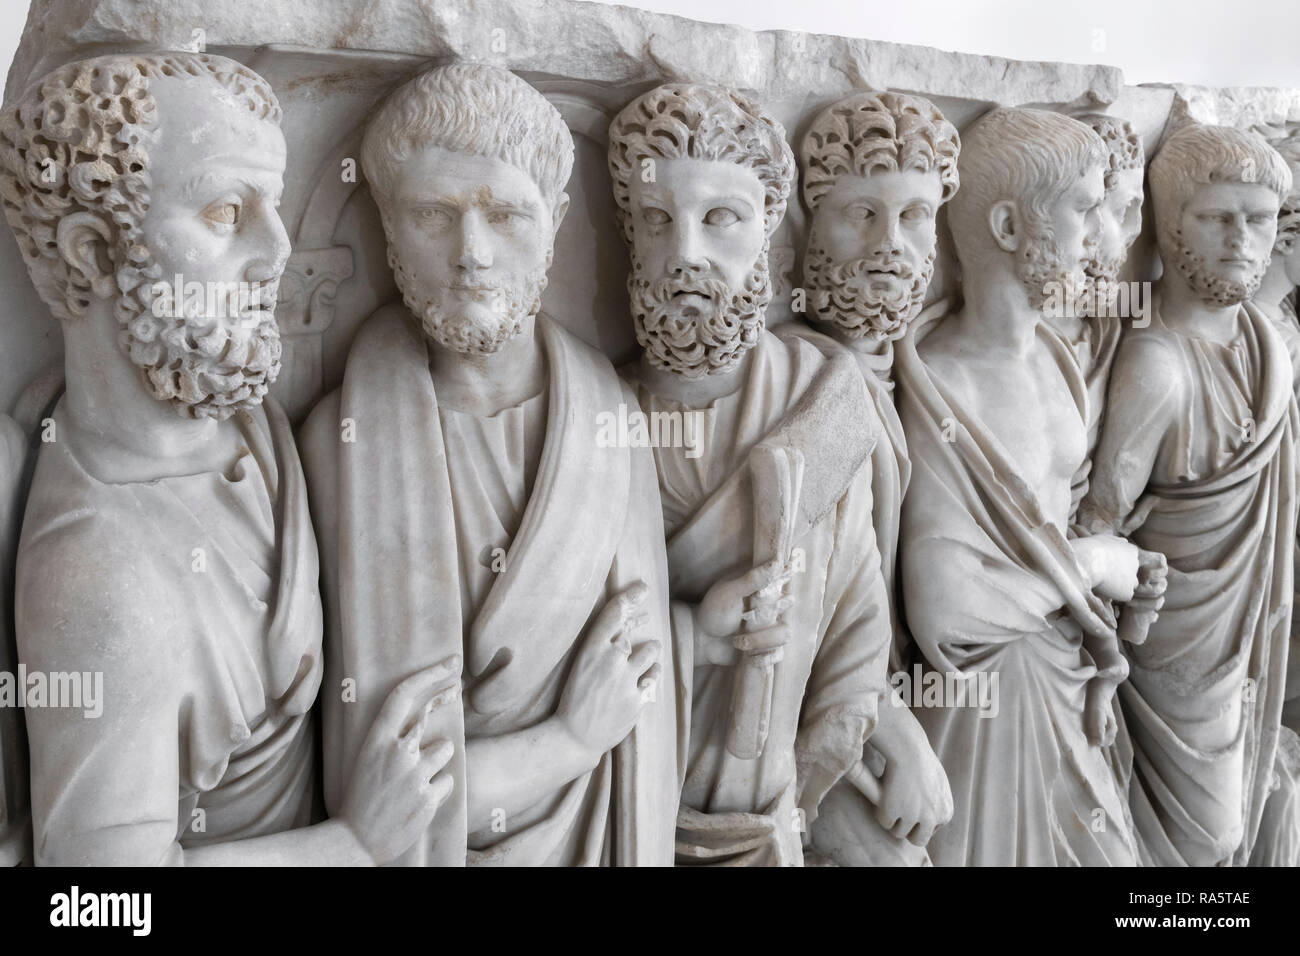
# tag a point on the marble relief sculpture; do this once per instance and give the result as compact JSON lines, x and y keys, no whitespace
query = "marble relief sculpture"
{"x":452,"y":479}
{"x":991,"y":580}
{"x":1197,"y":461}
{"x":166,"y":547}
{"x":1276,"y":298}
{"x":876,"y":168}
{"x":1093,"y":327}
{"x":647,"y":454}
{"x":761,"y":509}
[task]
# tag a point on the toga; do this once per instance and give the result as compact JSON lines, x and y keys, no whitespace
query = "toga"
{"x":1197,"y":461}
{"x":831,"y":679}
{"x":197,"y":598}
{"x":1003,"y":594}
{"x":498,"y":539}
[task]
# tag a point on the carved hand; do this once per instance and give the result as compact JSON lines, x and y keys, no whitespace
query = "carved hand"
{"x":720,"y":616}
{"x":1111,"y":563}
{"x":1099,"y":713}
{"x":607,"y":686}
{"x":397,"y":785}
{"x":915,"y":798}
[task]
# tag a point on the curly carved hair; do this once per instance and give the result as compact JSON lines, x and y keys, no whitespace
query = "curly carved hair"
{"x":1123,"y":145}
{"x":77,"y":140}
{"x":878,"y":132}
{"x":691,"y":121}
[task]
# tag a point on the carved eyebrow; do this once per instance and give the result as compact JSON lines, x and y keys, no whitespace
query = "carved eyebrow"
{"x":739,"y":200}
{"x":207,"y":180}
{"x":202,"y":181}
{"x":498,"y":202}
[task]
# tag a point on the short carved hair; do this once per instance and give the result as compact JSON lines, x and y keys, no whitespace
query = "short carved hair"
{"x":1123,"y":145}
{"x":1196,"y":156}
{"x":878,"y":132}
{"x":1027,"y":156}
{"x":475,"y":109}
{"x":77,"y":140}
{"x":691,"y":121}
{"x":1288,"y":217}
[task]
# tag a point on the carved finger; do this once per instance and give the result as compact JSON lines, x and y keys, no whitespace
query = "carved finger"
{"x":764,"y":639}
{"x":643,"y":655}
{"x":407,"y":703}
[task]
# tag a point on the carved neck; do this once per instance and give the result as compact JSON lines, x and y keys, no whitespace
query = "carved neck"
{"x":120,"y":432}
{"x":1182,"y":308}
{"x":876,"y":354}
{"x":696,"y":392}
{"x":996,"y":308}
{"x":485,"y":384}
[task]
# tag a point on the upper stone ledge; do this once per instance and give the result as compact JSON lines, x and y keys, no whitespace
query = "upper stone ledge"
{"x":1273,"y":111}
{"x":586,"y":41}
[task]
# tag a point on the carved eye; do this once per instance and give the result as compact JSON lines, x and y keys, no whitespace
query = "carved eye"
{"x":656,"y":216}
{"x":433,"y":216}
{"x":721,"y":216}
{"x":915,"y":214}
{"x":860,"y":213}
{"x":222,"y":213}
{"x":501,"y":217}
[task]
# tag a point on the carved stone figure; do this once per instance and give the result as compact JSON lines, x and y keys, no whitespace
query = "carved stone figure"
{"x":167,"y":567}
{"x":466,"y":504}
{"x":773,"y":567}
{"x":877,"y":167}
{"x":1093,"y":328}
{"x":991,"y":581}
{"x":1279,"y":841}
{"x":1276,"y":296}
{"x":1197,"y":461}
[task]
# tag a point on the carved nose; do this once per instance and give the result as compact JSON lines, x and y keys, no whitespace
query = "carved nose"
{"x":269,"y":267}
{"x":891,"y":242}
{"x":473,"y":254}
{"x":684,"y":266}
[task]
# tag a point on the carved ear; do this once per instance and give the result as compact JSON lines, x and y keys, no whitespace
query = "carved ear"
{"x":83,"y":240}
{"x":1004,"y":223}
{"x":557,"y":214}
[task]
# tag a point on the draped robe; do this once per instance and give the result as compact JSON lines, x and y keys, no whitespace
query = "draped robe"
{"x":197,"y":598}
{"x":1006,"y":597}
{"x":1197,"y":461}
{"x":830,"y":680}
{"x":409,"y":512}
{"x":846,"y":826}
{"x":1279,"y":840}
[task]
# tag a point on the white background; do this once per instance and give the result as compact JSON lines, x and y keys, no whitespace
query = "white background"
{"x":1214,"y":42}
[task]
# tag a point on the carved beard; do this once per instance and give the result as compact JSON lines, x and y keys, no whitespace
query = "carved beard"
{"x":1101,"y":281}
{"x":1043,"y":268}
{"x":464,"y":332}
{"x":841,"y":294}
{"x":699,"y":339}
{"x":1213,"y":289}
{"x":207,"y":367}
